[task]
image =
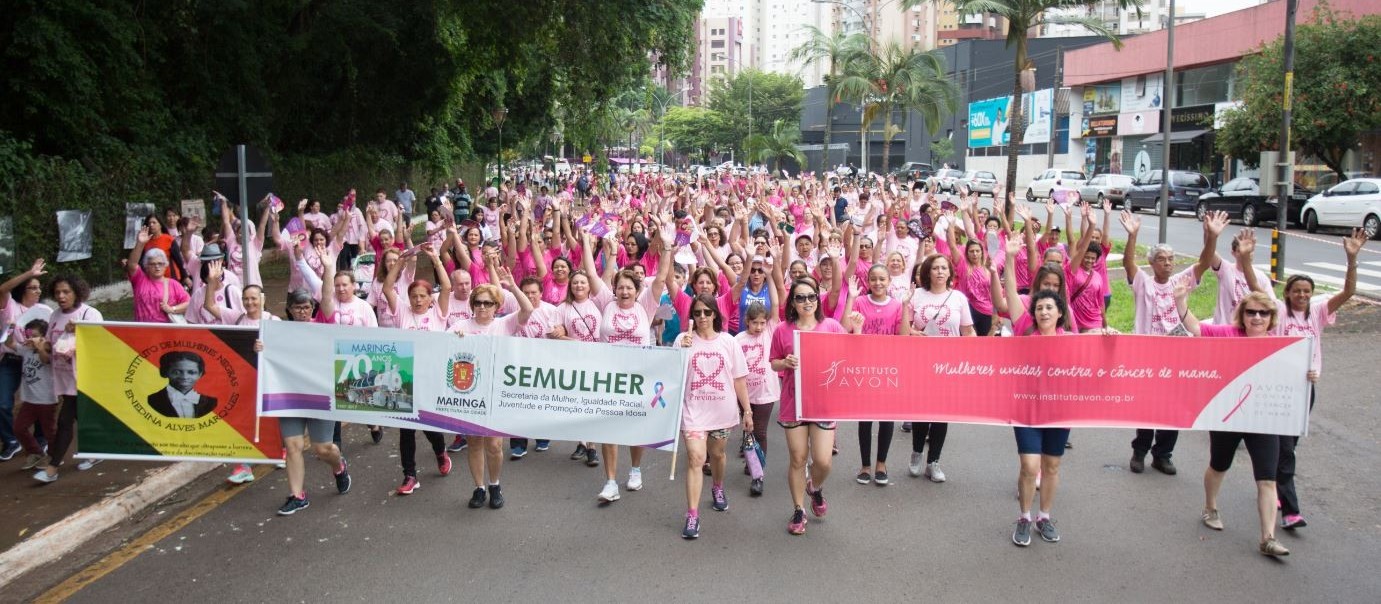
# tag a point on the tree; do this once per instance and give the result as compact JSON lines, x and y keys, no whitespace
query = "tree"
{"x":773,"y":97}
{"x":693,"y":130}
{"x":1023,"y":16}
{"x":897,"y":78}
{"x":834,"y":49}
{"x":1337,"y":92}
{"x":781,"y":143}
{"x":941,"y":150}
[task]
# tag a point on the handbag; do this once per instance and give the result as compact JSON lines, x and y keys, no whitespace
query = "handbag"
{"x":175,"y":318}
{"x":754,"y":456}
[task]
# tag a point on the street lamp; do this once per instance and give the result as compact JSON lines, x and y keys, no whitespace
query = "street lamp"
{"x":500,"y":114}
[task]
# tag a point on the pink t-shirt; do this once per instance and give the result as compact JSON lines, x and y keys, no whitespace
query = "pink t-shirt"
{"x":149,"y":294}
{"x":1232,"y":287}
{"x":763,"y":386}
{"x":1155,"y":302}
{"x":64,"y":357}
{"x":784,"y":343}
{"x":582,"y":319}
{"x":879,"y":318}
{"x":355,"y":312}
{"x":552,"y":292}
{"x":429,"y":320}
{"x":1086,"y":303}
{"x":238,"y":318}
{"x":728,"y":307}
{"x":457,"y":311}
{"x":711,"y":401}
{"x":540,"y":322}
{"x":942,"y":314}
{"x":976,"y":285}
{"x":502,"y":326}
{"x":1295,"y":324}
{"x":630,"y":325}
{"x":1207,"y":330}
{"x":227,"y":296}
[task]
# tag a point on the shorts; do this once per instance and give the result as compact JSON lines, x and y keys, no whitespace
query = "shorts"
{"x":1041,"y":441}
{"x":319,"y":431}
{"x":820,"y":425}
{"x":1264,"y":450}
{"x":720,"y":434}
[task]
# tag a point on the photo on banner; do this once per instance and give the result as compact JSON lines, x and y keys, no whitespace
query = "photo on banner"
{"x":135,"y":213}
{"x":6,"y":244}
{"x":170,"y":392}
{"x":74,"y":235}
{"x":195,"y":209}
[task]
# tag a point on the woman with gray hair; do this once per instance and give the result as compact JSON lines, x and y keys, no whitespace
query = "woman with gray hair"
{"x":157,"y":298}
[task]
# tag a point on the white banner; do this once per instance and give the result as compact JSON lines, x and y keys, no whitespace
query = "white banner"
{"x":477,"y":385}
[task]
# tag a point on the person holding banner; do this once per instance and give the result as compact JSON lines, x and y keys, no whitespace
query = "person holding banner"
{"x":803,"y":439}
{"x":876,"y":314}
{"x":936,"y":309}
{"x":252,"y":301}
{"x":716,"y":397}
{"x":71,"y":293}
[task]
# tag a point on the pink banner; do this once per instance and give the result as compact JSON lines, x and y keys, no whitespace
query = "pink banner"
{"x":1233,"y":384}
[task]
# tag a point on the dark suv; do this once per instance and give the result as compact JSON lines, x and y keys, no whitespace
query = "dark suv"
{"x":1243,"y":198}
{"x":1185,"y":189}
{"x":914,"y":171}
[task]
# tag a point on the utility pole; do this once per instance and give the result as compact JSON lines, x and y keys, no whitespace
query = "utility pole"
{"x":1059,"y":83}
{"x":1164,"y":206}
{"x":1285,"y":182}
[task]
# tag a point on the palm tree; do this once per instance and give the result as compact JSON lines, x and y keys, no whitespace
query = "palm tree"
{"x":898,"y":78}
{"x":780,"y":144}
{"x":835,"y":49}
{"x":1022,"y":16}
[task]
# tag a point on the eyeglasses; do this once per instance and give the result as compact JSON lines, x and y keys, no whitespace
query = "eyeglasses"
{"x":804,"y":298}
{"x":1254,"y":312}
{"x":484,"y":304}
{"x":702,"y":312}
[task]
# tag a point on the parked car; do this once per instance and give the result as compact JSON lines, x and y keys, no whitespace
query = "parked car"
{"x":1352,"y":203}
{"x":1112,"y":187}
{"x":1243,"y":198}
{"x":1185,"y":189}
{"x":945,"y":179}
{"x":913,"y":171}
{"x":979,"y":181}
{"x":1045,"y":183}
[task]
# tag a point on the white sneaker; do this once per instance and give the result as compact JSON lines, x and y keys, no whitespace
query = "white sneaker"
{"x":610,"y":492}
{"x":241,"y":475}
{"x":87,"y":464}
{"x":916,"y":463}
{"x":44,"y":476}
{"x":635,"y":479}
{"x":934,"y":473}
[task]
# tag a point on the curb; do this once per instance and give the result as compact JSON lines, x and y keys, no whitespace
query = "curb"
{"x":57,"y":540}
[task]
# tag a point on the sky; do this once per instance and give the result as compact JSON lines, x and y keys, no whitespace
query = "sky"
{"x":1213,"y":8}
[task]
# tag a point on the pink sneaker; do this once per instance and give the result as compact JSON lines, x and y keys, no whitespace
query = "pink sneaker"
{"x":409,"y":485}
{"x":443,"y":463}
{"x":817,"y":503}
{"x":1294,"y":521}
{"x":797,"y":525}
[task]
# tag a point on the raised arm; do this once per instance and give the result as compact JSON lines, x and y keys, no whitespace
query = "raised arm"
{"x":215,"y":273}
{"x":390,"y":278}
{"x":1351,"y":246}
{"x":137,"y":252}
{"x":328,"y":279}
{"x":1132,"y":224}
{"x":1009,"y":280}
{"x":1187,"y":318}
{"x":34,"y":271}
{"x":443,"y":300}
{"x":587,"y":262}
{"x":1214,"y":223}
{"x":1246,"y":244}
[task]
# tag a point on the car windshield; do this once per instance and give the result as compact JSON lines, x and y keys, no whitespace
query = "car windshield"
{"x":951,"y":174}
{"x":1072,"y":175}
{"x":1189,"y":179}
{"x":988,"y":175}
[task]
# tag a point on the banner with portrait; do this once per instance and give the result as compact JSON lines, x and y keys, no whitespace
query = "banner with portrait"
{"x":135,"y":214}
{"x":170,"y":393}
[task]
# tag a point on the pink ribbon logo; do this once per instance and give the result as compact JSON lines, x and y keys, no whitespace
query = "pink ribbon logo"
{"x":625,"y":328}
{"x":1241,"y":398}
{"x":754,"y":354}
{"x":708,"y":378}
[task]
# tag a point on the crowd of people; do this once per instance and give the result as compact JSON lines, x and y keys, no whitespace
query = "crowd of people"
{"x":728,"y":267}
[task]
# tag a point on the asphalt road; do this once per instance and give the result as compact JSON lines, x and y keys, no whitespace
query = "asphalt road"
{"x":1125,"y":537}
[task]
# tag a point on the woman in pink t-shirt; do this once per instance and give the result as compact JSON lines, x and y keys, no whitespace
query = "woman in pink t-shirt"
{"x":937,"y":309}
{"x":716,"y":398}
{"x":70,"y":292}
{"x":877,"y":314}
{"x":157,"y":297}
{"x":763,"y":387}
{"x":803,"y":439}
{"x":250,"y":314}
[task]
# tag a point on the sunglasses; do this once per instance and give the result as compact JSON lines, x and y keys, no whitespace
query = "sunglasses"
{"x":1252,"y":312}
{"x":484,"y":304}
{"x":702,"y":312}
{"x":757,"y":271}
{"x":804,"y":298}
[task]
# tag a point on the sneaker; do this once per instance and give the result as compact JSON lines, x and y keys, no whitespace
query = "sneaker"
{"x":916,"y":464}
{"x":1271,"y":547}
{"x":692,"y":530}
{"x":10,"y":451}
{"x":87,"y":464}
{"x":1046,"y":527}
{"x":863,"y":478}
{"x":797,"y":525}
{"x":755,"y":488}
{"x":343,"y":481}
{"x":517,"y":453}
{"x":906,"y":427}
{"x":241,"y":475}
{"x":635,"y":479}
{"x":293,"y":505}
{"x":458,"y":444}
{"x":1213,"y":520}
{"x":1022,"y":535}
{"x":495,"y":497}
{"x":721,"y":503}
{"x":1165,"y":466}
{"x":610,"y":493}
{"x":880,"y":478}
{"x":817,"y":503}
{"x":1294,"y":521}
{"x":376,"y":435}
{"x":34,"y":460}
{"x":1138,"y":463}
{"x":443,"y":464}
{"x":934,"y":473}
{"x":543,"y":445}
{"x":579,"y":453}
{"x":591,"y":457}
{"x":409,"y":485}
{"x":705,"y":469}
{"x":477,"y":498}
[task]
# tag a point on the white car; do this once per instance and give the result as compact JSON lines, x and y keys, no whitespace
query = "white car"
{"x":1044,"y":184}
{"x":945,"y":179}
{"x":1351,"y":203}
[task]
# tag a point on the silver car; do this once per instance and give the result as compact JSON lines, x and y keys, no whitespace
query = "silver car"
{"x":945,"y":179}
{"x":1112,"y":187}
{"x":979,"y":181}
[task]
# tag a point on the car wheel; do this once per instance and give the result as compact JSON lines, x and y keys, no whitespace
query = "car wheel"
{"x":1249,"y":215}
{"x":1372,"y":226}
{"x":1311,"y":222}
{"x":1030,"y":195}
{"x":1200,"y":211}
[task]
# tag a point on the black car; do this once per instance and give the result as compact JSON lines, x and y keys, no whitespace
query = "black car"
{"x":913,"y":171}
{"x":1242,"y":198}
{"x":1185,"y":189}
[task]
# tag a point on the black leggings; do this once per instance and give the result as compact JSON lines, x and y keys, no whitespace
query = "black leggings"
{"x":982,"y":324}
{"x":762,"y":416}
{"x":936,"y":431}
{"x":67,"y":428}
{"x":1264,"y":450}
{"x":1285,"y":470}
{"x":865,"y":441}
{"x":407,"y":448}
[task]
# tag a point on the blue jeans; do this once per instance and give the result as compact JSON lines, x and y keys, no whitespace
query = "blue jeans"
{"x":10,"y":372}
